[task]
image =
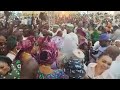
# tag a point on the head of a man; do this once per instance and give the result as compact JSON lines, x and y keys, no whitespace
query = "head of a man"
{"x":59,"y":33}
{"x":112,"y":51}
{"x":104,"y":40}
{"x":69,"y":28}
{"x":26,"y":32}
{"x":55,"y":28}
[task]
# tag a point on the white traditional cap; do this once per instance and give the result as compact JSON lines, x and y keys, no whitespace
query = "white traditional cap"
{"x":70,"y":26}
{"x":56,"y":26}
{"x":79,"y":54}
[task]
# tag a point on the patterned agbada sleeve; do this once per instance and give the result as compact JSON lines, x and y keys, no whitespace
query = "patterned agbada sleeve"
{"x":17,"y":64}
{"x":63,"y":75}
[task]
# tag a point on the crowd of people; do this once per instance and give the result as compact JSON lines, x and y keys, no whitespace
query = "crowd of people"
{"x":86,"y":47}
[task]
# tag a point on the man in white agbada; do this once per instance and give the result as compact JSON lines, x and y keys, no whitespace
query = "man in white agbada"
{"x":70,"y":40}
{"x":102,"y":44}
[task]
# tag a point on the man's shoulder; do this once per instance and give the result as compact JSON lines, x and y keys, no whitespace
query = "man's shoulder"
{"x":73,"y":34}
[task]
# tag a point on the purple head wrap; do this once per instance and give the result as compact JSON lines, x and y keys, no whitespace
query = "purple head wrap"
{"x":48,"y":52}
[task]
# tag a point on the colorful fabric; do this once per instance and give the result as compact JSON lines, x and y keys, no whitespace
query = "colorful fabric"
{"x":14,"y":74}
{"x":54,"y":66}
{"x":48,"y":51}
{"x":32,"y":39}
{"x":74,"y":68}
{"x":58,"y":41}
{"x":104,"y":36}
{"x":81,"y":32}
{"x":57,"y":74}
{"x":25,"y":45}
{"x":95,"y":36}
{"x":39,"y":40}
{"x":17,"y":64}
{"x":82,"y":41}
{"x":88,"y":35}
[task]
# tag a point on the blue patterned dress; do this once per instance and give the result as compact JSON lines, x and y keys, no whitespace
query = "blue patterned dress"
{"x":57,"y":74}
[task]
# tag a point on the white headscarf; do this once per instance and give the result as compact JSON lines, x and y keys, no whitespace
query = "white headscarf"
{"x":70,"y":43}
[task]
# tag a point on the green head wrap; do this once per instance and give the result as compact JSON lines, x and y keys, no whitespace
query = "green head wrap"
{"x":56,"y":26}
{"x":70,"y":26}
